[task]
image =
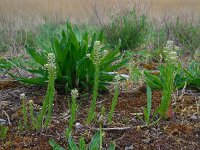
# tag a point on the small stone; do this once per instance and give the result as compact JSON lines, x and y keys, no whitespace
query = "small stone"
{"x":147,"y":141}
{"x":129,"y":147}
{"x":154,"y":129}
{"x":2,"y":122}
{"x":78,"y":125}
{"x":193,"y":117}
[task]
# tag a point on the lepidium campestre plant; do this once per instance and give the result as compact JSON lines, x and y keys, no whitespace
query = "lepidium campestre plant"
{"x":170,"y":52}
{"x":32,"y":117}
{"x":47,"y":106}
{"x":115,"y":98}
{"x":24,"y":111}
{"x":28,"y":115}
{"x":74,"y":94}
{"x":96,"y":61}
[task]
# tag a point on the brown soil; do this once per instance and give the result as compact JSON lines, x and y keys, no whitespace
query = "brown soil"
{"x":180,"y":131}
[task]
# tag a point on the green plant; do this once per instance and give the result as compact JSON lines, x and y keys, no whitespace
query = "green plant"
{"x":54,"y":145}
{"x":24,"y":37}
{"x":130,"y":28}
{"x":96,"y":60}
{"x":93,"y":145}
{"x":193,"y":74}
{"x":25,"y":115}
{"x":20,"y":126}
{"x":115,"y":98}
{"x":32,"y":117}
{"x":74,"y":94}
{"x":6,"y":64}
{"x":168,"y":75}
{"x":147,"y":111}
{"x":100,"y":122}
{"x":166,"y":82}
{"x":186,"y":34}
{"x":75,"y":69}
{"x":158,"y":38}
{"x":135,"y":73}
{"x":188,"y":76}
{"x":3,"y":132}
{"x":24,"y":111}
{"x":47,"y":106}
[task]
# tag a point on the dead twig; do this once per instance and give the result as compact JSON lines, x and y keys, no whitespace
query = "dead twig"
{"x":7,"y":117}
{"x":114,"y":129}
{"x":128,"y":128}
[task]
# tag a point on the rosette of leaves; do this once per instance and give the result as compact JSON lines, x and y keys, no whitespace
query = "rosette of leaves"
{"x":193,"y":74}
{"x":75,"y":68}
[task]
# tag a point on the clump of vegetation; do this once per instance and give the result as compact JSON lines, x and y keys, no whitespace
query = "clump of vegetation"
{"x":168,"y":74}
{"x":44,"y":117}
{"x":3,"y":132}
{"x":93,"y":145}
{"x":74,"y":68}
{"x":187,"y":35}
{"x":130,"y":28}
{"x":47,"y":106}
{"x":183,"y":76}
{"x":77,"y":60}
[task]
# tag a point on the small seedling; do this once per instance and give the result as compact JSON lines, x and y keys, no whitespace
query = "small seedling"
{"x":147,"y":111}
{"x":74,"y":94}
{"x":3,"y":132}
{"x":115,"y":98}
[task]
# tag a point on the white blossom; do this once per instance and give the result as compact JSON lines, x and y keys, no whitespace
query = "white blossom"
{"x":74,"y":93}
{"x":22,"y":96}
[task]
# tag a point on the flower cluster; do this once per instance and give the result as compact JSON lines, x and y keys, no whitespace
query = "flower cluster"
{"x":22,"y":96}
{"x":50,"y":66}
{"x":117,"y":79}
{"x":74,"y":93}
{"x":170,"y":52}
{"x":97,"y":48}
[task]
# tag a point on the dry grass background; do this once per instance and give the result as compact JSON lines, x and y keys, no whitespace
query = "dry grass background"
{"x":26,"y":13}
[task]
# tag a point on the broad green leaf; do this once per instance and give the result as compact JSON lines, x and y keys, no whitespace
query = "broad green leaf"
{"x":55,"y":145}
{"x":94,"y":144}
{"x":72,"y":144}
{"x":82,"y":145}
{"x":149,"y":99}
{"x":39,"y":58}
{"x":37,"y":80}
{"x":112,"y":146}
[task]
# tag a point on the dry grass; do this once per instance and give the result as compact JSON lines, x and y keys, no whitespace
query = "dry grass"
{"x":27,"y":14}
{"x":21,"y":13}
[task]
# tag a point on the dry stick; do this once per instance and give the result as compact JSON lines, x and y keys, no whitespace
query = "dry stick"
{"x":127,"y":128}
{"x":7,"y":116}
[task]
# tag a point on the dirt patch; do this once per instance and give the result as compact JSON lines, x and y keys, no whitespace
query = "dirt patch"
{"x":181,"y":132}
